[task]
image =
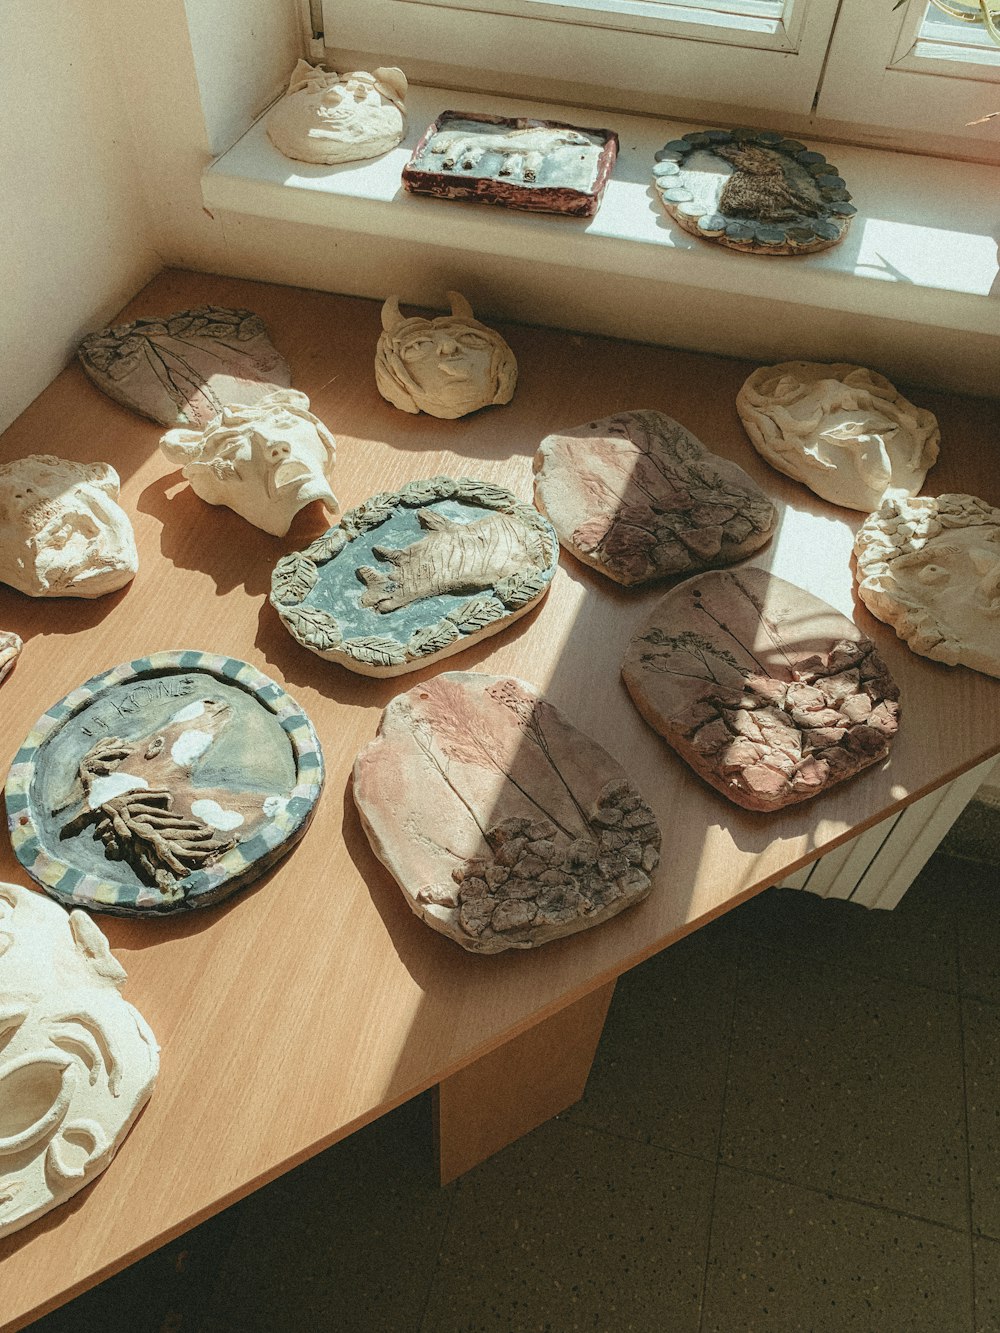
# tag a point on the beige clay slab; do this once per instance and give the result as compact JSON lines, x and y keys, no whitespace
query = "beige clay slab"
{"x":639,"y":497}
{"x":503,"y":824}
{"x":768,"y":693}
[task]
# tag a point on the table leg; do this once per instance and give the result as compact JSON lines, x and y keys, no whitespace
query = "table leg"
{"x":517,"y":1087}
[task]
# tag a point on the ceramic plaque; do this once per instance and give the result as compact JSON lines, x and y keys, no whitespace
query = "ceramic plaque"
{"x":843,"y":431}
{"x":77,"y":1063}
{"x":516,"y":162}
{"x":753,"y":190}
{"x":327,"y":117}
{"x":502,"y":823}
{"x":10,"y":648}
{"x":416,"y":574}
{"x":167,"y":783}
{"x":768,"y":693}
{"x":183,"y":369}
{"x":639,"y":497}
{"x":930,"y":568}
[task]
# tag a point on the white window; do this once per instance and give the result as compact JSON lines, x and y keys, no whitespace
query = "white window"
{"x":738,"y":53}
{"x":907,"y":69}
{"x":912,"y":68}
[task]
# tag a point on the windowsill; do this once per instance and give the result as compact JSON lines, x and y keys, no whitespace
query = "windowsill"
{"x":922,"y":248}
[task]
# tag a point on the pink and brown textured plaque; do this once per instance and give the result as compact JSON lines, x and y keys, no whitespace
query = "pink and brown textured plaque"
{"x":502,"y":823}
{"x":183,"y":369}
{"x":638,"y":497}
{"x":768,"y":693}
{"x":513,"y":161}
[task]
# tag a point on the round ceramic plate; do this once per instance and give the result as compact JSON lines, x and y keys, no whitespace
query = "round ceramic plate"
{"x":164,"y":784}
{"x":753,"y":190}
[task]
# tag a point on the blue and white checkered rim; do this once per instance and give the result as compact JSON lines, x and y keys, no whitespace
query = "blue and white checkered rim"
{"x":235,"y":868}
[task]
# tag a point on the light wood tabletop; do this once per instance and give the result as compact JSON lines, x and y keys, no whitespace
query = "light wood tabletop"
{"x":307,"y":1006}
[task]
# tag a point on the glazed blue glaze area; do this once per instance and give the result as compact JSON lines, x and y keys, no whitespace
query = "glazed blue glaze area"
{"x":250,"y":752}
{"x":339,"y":590}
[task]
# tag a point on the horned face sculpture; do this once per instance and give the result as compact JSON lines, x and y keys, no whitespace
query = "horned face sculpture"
{"x":446,"y":367}
{"x":327,"y":117}
{"x":265,"y":461}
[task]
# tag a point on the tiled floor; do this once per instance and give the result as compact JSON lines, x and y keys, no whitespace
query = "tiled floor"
{"x":793,"y":1123}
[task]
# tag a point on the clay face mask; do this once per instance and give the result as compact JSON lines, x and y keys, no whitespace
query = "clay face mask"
{"x":62,"y":534}
{"x":266,"y":462}
{"x":447,"y":367}
{"x":77,"y":1063}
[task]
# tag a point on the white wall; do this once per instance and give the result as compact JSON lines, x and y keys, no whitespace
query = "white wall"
{"x":74,"y":242}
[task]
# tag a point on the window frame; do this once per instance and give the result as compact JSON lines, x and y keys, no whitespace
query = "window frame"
{"x":877,"y":74}
{"x":539,"y":39}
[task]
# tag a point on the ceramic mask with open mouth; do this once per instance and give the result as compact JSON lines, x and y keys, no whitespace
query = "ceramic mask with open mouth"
{"x":266,"y":461}
{"x":62,"y":534}
{"x":77,"y":1063}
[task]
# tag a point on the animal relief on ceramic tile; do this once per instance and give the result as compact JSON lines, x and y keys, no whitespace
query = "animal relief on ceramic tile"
{"x":768,"y":693}
{"x":163,"y":784}
{"x":516,"y":162}
{"x":930,"y":568}
{"x":62,"y":532}
{"x":10,"y":648}
{"x":326,"y":117}
{"x":266,"y":461}
{"x":753,"y":190}
{"x":503,"y":824}
{"x":447,"y":367}
{"x":183,"y":369}
{"x":638,"y":497}
{"x":416,"y":574}
{"x":843,"y":431}
{"x":77,"y":1063}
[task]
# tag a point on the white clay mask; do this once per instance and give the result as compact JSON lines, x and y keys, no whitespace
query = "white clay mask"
{"x":77,"y":1063}
{"x":265,"y":462}
{"x":62,"y":533}
{"x":327,"y":117}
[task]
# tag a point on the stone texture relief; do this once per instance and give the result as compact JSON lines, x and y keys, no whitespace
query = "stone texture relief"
{"x":503,"y":824}
{"x":326,"y":117}
{"x":638,"y":497}
{"x":77,"y":1063}
{"x":10,"y":648}
{"x":182,"y":370}
{"x":753,"y":190}
{"x":266,"y":461}
{"x":388,"y":590}
{"x":516,"y":162}
{"x":62,"y":533}
{"x":447,"y":367}
{"x":843,"y":431}
{"x":162,"y":785}
{"x":768,"y":693}
{"x":930,"y":568}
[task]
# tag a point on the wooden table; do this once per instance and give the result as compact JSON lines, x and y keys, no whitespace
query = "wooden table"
{"x":306,"y":1007}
